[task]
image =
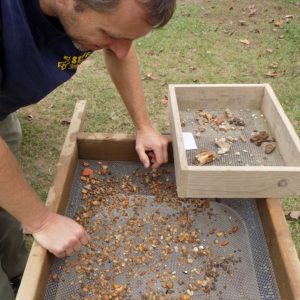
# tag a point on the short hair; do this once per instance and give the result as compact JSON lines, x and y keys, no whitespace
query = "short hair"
{"x":158,"y":12}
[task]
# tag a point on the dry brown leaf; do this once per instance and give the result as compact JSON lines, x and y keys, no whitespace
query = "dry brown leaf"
{"x":245,"y":42}
{"x":205,"y":157}
{"x":164,"y":100}
{"x":288,"y":17}
{"x":150,"y":76}
{"x":272,"y":74}
{"x":274,"y":65}
{"x":260,"y":138}
{"x":292,"y":215}
{"x":29,"y":117}
{"x":66,"y":122}
{"x":279,"y":23}
{"x":252,"y":12}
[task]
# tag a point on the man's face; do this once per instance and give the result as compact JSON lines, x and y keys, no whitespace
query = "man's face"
{"x":115,"y":31}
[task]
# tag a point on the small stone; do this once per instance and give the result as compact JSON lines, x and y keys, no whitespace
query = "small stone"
{"x":169,"y":285}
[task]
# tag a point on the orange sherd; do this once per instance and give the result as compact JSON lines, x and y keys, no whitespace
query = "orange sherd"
{"x":87,"y":172}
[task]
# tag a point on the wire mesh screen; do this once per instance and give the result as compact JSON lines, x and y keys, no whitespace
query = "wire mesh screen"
{"x":236,"y":133}
{"x":148,"y":244}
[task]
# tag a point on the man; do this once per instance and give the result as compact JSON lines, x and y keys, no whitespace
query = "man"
{"x":43,"y":41}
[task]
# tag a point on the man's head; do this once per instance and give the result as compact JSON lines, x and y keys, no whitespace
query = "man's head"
{"x":157,"y":12}
{"x":109,"y":24}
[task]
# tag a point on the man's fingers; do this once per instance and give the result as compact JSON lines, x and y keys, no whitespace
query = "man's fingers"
{"x":62,"y":236}
{"x":59,"y":254}
{"x":143,"y":158}
{"x":85,"y":239}
{"x":160,"y":154}
{"x":69,"y":251}
{"x":77,"y":246}
{"x":158,"y":158}
{"x":165,"y":151}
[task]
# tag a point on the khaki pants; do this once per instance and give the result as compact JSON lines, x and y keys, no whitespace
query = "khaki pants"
{"x":13,"y":254}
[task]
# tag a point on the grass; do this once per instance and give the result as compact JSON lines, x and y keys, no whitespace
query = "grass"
{"x":200,"y":45}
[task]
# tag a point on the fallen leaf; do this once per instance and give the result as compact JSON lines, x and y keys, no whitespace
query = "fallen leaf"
{"x":272,"y":74}
{"x":252,"y":12}
{"x":66,"y":122}
{"x":279,"y":23}
{"x":229,"y":32}
{"x":113,"y":116}
{"x":164,"y":100}
{"x":269,"y":50}
{"x":260,"y":138}
{"x":288,"y":18}
{"x":274,"y":65}
{"x":292,"y":215}
{"x":29,"y":117}
{"x":245,"y":42}
{"x":150,"y":76}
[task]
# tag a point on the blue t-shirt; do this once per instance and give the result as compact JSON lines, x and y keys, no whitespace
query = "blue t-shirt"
{"x":36,"y":55}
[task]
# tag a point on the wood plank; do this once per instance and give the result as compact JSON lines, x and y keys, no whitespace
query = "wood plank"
{"x":107,"y":146}
{"x":102,"y":146}
{"x":234,"y":181}
{"x":36,"y":273}
{"x":212,"y":96}
{"x":180,"y":158}
{"x":275,"y":227}
{"x":282,"y":249}
{"x":282,"y":129}
{"x":237,"y":182}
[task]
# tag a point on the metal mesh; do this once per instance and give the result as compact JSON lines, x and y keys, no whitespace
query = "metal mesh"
{"x":228,"y":231}
{"x":241,"y":153}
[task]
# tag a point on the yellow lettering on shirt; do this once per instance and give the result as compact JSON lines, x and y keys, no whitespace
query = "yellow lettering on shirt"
{"x":72,"y":62}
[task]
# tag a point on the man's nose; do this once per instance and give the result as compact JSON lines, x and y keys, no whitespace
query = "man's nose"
{"x":120,"y":47}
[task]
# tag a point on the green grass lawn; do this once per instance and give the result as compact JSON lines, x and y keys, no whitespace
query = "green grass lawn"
{"x":202,"y":44}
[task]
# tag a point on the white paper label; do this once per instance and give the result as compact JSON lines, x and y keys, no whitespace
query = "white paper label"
{"x":189,"y":141}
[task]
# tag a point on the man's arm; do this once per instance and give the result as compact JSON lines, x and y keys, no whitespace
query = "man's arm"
{"x":125,"y":75}
{"x":58,"y":234}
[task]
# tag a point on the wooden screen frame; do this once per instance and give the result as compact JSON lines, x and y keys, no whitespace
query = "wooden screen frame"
{"x":79,"y":145}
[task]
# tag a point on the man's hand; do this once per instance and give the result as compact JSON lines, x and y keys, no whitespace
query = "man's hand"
{"x":61,"y":235}
{"x":58,"y":234}
{"x":149,"y":139}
